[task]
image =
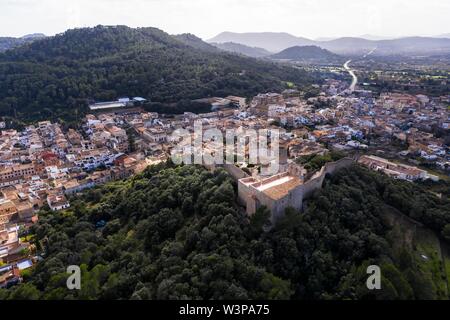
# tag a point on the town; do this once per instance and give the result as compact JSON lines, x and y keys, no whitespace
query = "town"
{"x":44,"y":165}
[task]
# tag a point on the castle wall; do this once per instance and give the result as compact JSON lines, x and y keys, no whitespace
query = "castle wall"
{"x":293,"y":200}
{"x":244,"y":194}
{"x":252,"y":198}
{"x":235,"y":172}
{"x":317,"y":180}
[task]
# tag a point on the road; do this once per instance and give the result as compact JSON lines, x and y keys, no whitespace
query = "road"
{"x":355,"y":78}
{"x":370,"y":52}
{"x":352,"y":73}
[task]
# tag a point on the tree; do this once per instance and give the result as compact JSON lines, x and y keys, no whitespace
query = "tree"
{"x":26,"y":291}
{"x":446,"y":232}
{"x":177,"y":232}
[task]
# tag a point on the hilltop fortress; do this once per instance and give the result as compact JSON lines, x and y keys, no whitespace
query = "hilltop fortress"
{"x":283,"y":190}
{"x":280,"y":191}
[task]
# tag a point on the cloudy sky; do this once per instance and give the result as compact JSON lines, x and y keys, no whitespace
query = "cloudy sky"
{"x":206,"y":18}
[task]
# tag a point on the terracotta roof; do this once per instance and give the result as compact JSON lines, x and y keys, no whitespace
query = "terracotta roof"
{"x":280,"y":191}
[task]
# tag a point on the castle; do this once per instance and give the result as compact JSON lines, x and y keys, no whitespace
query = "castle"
{"x":284,"y":190}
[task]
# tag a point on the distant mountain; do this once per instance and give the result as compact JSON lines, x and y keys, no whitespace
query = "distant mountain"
{"x":308,"y":54}
{"x":325,"y":38}
{"x":348,"y":45}
{"x":445,"y":35}
{"x":195,"y":42}
{"x":34,"y":36}
{"x":53,"y":77}
{"x":276,"y":42}
{"x":374,"y":37}
{"x":414,"y":45}
{"x":271,"y":41}
{"x":408,"y":45}
{"x":242,"y":49}
{"x":7,"y":43}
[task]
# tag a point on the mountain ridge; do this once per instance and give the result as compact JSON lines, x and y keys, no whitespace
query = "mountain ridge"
{"x":271,"y":41}
{"x":195,"y":42}
{"x":7,"y":43}
{"x":254,"y":52}
{"x":308,"y":54}
{"x":56,"y":75}
{"x":277,"y":42}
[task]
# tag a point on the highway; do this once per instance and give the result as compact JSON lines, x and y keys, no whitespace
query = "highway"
{"x":352,"y":73}
{"x":355,"y":78}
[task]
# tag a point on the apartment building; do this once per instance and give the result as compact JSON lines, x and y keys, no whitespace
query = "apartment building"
{"x":11,"y":175}
{"x":8,"y":212}
{"x":395,"y":170}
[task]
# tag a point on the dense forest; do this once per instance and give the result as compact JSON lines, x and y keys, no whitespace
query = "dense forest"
{"x":311,"y":54}
{"x":7,"y":43}
{"x":53,"y":77}
{"x":177,"y":232}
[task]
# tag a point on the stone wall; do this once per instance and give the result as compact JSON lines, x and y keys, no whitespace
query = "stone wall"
{"x":252,"y":198}
{"x":235,"y":172}
{"x":245,"y":194}
{"x":316,"y":180}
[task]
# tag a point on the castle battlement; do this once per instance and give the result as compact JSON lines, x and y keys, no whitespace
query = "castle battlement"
{"x":283,"y":190}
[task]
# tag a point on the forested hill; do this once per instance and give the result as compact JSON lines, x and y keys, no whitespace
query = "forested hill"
{"x":7,"y":43}
{"x":53,"y":76}
{"x":194,"y":41}
{"x":177,"y":233}
{"x":242,"y":49}
{"x":308,"y":53}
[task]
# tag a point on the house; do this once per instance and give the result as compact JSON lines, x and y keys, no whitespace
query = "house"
{"x":74,"y":137}
{"x":119,"y":138}
{"x":8,"y":211}
{"x":100,"y":138}
{"x":100,"y":177}
{"x":264,"y":99}
{"x":261,"y":102}
{"x":9,"y":276}
{"x":74,"y":186}
{"x":49,"y":159}
{"x":91,"y":159}
{"x":9,"y":241}
{"x":395,"y":170}
{"x":155,"y":135}
{"x":238,"y":101}
{"x":25,"y":210}
{"x":11,"y":175}
{"x":57,"y":202}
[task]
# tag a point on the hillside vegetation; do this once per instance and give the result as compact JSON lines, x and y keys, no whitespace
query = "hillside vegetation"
{"x":242,"y":49}
{"x":53,"y":77}
{"x":177,"y":233}
{"x":7,"y":43}
{"x":308,"y":54}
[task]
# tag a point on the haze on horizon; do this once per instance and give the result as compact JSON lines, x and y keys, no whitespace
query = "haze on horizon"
{"x":206,"y":18}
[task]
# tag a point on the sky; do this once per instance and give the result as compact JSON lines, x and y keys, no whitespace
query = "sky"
{"x":207,"y":18}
